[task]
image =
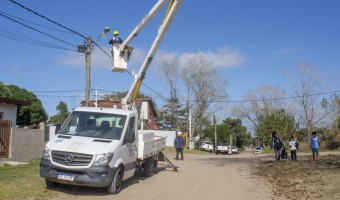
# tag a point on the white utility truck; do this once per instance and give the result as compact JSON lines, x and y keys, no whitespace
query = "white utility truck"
{"x":101,"y":147}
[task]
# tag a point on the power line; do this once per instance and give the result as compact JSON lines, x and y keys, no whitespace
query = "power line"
{"x":101,"y":49}
{"x":42,"y":65}
{"x":163,"y":98}
{"x":37,"y":30}
{"x":20,"y":38}
{"x":34,"y":23}
{"x":47,"y":19}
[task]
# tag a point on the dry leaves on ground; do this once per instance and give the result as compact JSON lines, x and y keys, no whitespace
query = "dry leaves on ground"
{"x":304,"y":179}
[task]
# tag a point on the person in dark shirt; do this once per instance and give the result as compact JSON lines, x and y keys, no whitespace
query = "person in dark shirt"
{"x":179,"y":145}
{"x":116,"y":38}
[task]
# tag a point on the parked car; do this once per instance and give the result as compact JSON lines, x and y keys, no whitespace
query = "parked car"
{"x":207,"y":146}
{"x":258,"y":150}
{"x":222,"y":148}
{"x":235,"y":150}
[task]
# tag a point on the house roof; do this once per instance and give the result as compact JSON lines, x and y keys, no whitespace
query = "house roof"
{"x":15,"y":102}
{"x":118,"y":103}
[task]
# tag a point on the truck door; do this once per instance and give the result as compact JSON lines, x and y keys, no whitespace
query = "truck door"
{"x":130,"y":148}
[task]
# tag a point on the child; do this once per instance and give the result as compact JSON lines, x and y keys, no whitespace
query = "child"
{"x":314,"y":144}
{"x":292,"y":145}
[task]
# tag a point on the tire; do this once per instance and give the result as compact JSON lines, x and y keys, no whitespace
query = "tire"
{"x":51,"y":183}
{"x":149,"y":167}
{"x":155,"y":164}
{"x":116,"y":184}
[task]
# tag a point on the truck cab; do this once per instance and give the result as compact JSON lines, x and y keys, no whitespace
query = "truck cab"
{"x":93,"y":146}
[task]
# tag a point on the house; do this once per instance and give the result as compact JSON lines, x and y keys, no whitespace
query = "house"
{"x":8,"y":109}
{"x":18,"y":144}
{"x":145,"y":107}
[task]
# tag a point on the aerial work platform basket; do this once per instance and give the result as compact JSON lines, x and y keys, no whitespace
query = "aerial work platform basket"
{"x":119,"y":58}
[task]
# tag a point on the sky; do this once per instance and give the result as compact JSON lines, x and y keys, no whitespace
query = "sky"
{"x":255,"y":42}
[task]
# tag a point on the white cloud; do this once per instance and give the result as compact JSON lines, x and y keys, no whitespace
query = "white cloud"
{"x":224,"y":56}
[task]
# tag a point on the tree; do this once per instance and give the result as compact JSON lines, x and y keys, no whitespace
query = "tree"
{"x":4,"y":91}
{"x":308,"y":86}
{"x":229,"y":127}
{"x":28,"y":115}
{"x":62,"y":114}
{"x":259,"y":103}
{"x":205,"y":86}
{"x":169,"y":70}
{"x":280,"y":121}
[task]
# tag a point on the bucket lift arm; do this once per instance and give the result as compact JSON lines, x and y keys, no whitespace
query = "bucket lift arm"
{"x":128,"y":101}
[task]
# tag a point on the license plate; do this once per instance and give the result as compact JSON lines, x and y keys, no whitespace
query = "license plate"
{"x":66,"y":177}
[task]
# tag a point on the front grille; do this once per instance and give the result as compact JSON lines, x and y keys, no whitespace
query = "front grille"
{"x":78,"y":159}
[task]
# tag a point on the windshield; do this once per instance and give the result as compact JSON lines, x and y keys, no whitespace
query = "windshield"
{"x":98,"y":125}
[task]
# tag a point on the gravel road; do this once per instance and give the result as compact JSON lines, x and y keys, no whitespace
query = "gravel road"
{"x":203,"y":177}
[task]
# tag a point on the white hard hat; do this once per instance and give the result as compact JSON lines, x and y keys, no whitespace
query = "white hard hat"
{"x":179,"y":133}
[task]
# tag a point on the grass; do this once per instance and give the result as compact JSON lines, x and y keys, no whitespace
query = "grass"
{"x":23,"y":182}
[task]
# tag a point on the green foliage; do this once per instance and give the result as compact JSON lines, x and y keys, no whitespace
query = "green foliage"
{"x":229,"y":126}
{"x":172,"y":116}
{"x":62,"y":116}
{"x":4,"y":91}
{"x":27,"y":115}
{"x":280,"y":121}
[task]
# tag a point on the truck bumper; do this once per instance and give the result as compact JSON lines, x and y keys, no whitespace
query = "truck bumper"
{"x":98,"y":176}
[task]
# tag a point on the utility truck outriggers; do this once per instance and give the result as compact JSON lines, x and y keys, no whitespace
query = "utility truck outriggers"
{"x":102,"y":147}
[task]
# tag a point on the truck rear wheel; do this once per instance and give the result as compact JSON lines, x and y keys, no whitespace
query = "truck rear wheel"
{"x":149,"y":167}
{"x":116,"y":184}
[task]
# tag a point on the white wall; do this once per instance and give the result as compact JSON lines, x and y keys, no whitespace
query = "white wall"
{"x":171,"y":135}
{"x":9,"y":112}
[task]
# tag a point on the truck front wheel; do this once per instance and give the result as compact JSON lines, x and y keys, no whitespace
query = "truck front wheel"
{"x":116,"y":184}
{"x":51,"y":183}
{"x":149,"y":167}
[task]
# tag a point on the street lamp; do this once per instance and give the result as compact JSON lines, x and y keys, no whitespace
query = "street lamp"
{"x":104,"y":33}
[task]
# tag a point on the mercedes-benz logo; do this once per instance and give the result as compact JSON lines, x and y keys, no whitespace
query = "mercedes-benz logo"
{"x":69,"y":158}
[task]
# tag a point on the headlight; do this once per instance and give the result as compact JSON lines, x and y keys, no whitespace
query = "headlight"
{"x":46,"y":153}
{"x":103,"y":159}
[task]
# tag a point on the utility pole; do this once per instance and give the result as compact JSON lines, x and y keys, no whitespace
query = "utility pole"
{"x":190,"y":137}
{"x":215,"y":132}
{"x":87,"y":49}
{"x":88,"y":70}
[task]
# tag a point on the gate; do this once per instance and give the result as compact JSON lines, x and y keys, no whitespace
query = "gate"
{"x":5,"y":133}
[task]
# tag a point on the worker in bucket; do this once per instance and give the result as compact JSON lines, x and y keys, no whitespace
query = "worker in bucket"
{"x":179,"y":145}
{"x":116,"y":38}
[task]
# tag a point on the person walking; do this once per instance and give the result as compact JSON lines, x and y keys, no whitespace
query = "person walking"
{"x":277,"y":145}
{"x":179,"y":145}
{"x":293,"y":147}
{"x":314,"y":143}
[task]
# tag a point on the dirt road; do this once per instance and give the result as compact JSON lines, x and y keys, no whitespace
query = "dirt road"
{"x":203,"y":177}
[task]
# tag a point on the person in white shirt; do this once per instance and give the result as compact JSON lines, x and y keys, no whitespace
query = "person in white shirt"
{"x":292,"y":145}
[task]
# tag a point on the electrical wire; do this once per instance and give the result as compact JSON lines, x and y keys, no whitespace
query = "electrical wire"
{"x":43,"y":65}
{"x":20,"y":38}
{"x":34,"y":23}
{"x":185,"y":100}
{"x":22,"y":6}
{"x":37,"y":30}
